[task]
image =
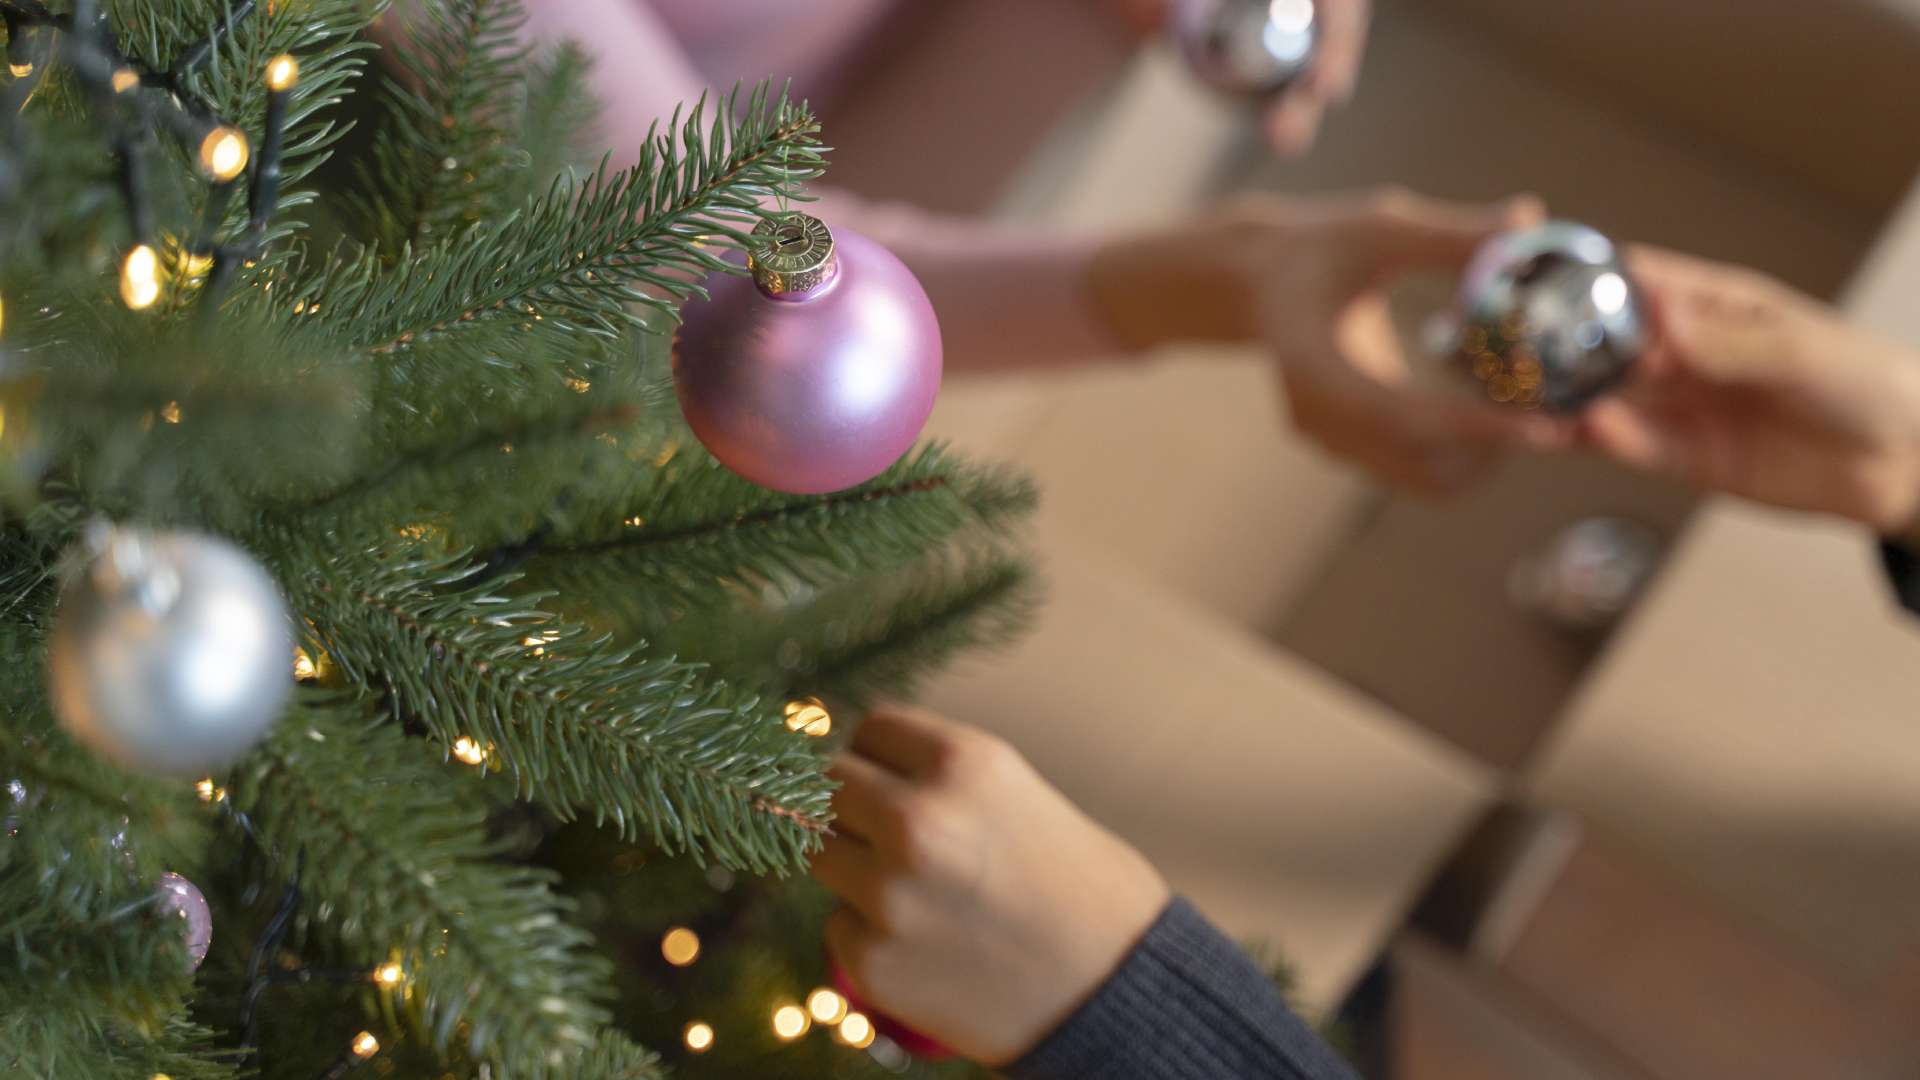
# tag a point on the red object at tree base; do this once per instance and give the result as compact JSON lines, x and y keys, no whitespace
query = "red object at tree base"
{"x":924,"y":1047}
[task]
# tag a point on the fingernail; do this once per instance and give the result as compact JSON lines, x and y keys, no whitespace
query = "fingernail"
{"x":1526,"y":207}
{"x":1547,"y":436}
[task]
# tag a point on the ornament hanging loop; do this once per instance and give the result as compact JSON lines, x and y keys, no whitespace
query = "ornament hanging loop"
{"x":792,"y":255}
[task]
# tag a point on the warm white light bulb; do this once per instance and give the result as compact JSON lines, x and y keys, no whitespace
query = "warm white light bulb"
{"x":680,"y":946}
{"x":855,"y":1030}
{"x":790,"y":1022}
{"x":224,"y":153}
{"x":365,"y":1045}
{"x":282,"y":72}
{"x":469,"y":751}
{"x":809,"y":715}
{"x":826,"y":1006}
{"x":389,"y":974}
{"x":140,"y":277}
{"x":698,"y":1036}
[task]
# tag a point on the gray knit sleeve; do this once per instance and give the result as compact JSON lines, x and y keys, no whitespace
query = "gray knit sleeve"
{"x":1186,"y":1004}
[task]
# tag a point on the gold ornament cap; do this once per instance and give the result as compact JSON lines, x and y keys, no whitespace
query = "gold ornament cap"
{"x":791,"y":255}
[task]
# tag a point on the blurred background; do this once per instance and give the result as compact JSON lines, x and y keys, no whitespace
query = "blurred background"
{"x":1671,"y":832}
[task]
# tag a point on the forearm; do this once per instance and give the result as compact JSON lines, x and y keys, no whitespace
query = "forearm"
{"x":1009,"y":297}
{"x":1185,"y":1004}
{"x":1018,"y":297}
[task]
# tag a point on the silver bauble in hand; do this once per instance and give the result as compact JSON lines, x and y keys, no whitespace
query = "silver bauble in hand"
{"x":171,"y":651}
{"x":1248,"y":47}
{"x":1548,"y":316}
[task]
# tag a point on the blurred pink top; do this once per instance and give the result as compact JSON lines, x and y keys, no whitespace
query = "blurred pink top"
{"x":1005,"y":297}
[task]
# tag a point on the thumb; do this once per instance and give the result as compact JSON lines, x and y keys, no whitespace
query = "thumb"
{"x":1395,"y":229}
{"x":1710,"y":321}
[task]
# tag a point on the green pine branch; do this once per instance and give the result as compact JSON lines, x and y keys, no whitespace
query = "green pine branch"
{"x":869,"y":639}
{"x":398,"y":859}
{"x":489,"y":478}
{"x":82,"y":844}
{"x":160,"y":422}
{"x":443,"y":158}
{"x":323,"y":35}
{"x":589,"y":256}
{"x":557,"y":118}
{"x":53,"y":198}
{"x":35,"y":1047}
{"x":690,"y":532}
{"x":615,"y":1057}
{"x":582,"y":726}
{"x":938,"y":614}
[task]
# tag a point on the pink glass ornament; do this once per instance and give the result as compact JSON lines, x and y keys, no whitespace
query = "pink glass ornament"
{"x":182,"y":899}
{"x":818,"y":372}
{"x":924,"y":1047}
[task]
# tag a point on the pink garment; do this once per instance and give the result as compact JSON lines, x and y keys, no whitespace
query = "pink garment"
{"x":1005,"y":297}
{"x":812,"y":43}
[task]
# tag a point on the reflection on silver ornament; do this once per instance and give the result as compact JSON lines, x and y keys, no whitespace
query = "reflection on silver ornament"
{"x":818,"y":372}
{"x":1588,"y":575}
{"x":1247,"y":47}
{"x":1547,"y":317}
{"x":183,"y":900}
{"x":171,"y":651}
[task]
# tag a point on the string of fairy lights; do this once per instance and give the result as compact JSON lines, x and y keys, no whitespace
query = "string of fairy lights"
{"x":221,"y":150}
{"x":680,"y":946}
{"x":223,"y":154}
{"x":824,"y":1006}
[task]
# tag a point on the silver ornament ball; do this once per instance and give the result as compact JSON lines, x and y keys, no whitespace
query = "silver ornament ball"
{"x":1252,"y":48}
{"x":171,"y":651}
{"x":1588,"y":574}
{"x":1548,"y":316}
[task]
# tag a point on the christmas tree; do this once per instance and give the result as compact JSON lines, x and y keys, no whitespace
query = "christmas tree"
{"x":359,"y":363}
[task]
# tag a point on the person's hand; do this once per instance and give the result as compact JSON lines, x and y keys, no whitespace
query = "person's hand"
{"x":1309,"y":278}
{"x":1757,"y":390}
{"x":1293,"y":118}
{"x":981,"y":906}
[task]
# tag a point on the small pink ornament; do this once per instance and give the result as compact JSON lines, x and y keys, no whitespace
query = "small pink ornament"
{"x":924,"y":1047}
{"x":183,"y":900}
{"x":818,"y":372}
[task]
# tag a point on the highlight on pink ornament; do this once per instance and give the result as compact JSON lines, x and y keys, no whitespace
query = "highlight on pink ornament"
{"x":816,"y":371}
